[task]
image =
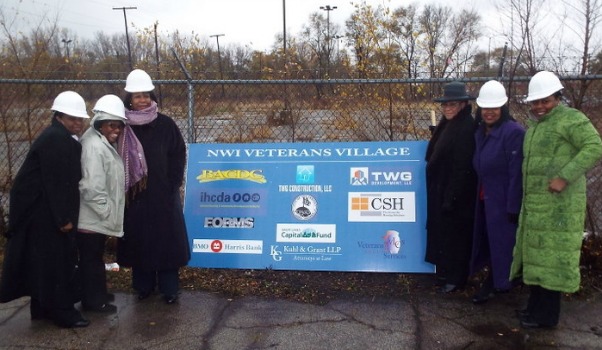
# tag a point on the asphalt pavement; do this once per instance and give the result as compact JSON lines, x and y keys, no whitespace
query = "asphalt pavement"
{"x":416,"y":319}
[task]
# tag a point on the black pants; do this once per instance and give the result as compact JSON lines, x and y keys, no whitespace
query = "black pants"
{"x":145,"y":281}
{"x":92,"y":268}
{"x":544,"y":305}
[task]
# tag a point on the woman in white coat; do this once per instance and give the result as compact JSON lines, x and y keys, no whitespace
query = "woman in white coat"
{"x":102,"y":200}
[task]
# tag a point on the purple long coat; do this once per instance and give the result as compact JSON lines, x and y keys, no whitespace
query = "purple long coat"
{"x":497,"y":161}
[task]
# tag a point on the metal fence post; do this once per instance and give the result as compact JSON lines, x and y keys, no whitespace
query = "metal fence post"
{"x":191,"y":132}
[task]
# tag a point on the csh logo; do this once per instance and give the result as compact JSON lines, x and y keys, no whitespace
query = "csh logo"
{"x":229,"y":222}
{"x":382,"y":207}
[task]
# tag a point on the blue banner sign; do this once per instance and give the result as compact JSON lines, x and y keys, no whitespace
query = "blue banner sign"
{"x":308,"y":206}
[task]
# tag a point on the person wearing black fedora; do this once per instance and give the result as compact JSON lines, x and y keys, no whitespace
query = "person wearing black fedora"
{"x":451,"y":189}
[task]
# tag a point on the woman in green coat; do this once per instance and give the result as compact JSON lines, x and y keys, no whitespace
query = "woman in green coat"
{"x":560,"y":146}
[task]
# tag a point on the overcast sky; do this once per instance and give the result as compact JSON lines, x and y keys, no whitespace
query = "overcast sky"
{"x":246,"y":22}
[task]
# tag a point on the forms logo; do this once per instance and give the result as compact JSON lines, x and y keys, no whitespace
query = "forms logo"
{"x":229,"y":222}
{"x":359,"y":176}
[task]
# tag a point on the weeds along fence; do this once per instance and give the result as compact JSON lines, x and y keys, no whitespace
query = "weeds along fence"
{"x":278,"y":111}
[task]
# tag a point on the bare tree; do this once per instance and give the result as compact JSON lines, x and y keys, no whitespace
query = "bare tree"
{"x":583,"y":17}
{"x":448,"y":38}
{"x":407,"y":30}
{"x":433,"y":23}
{"x":362,"y":29}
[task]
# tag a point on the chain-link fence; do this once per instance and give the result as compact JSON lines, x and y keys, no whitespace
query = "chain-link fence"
{"x":279,"y":111}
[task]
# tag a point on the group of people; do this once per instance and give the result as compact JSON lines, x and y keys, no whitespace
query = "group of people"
{"x":506,"y":201}
{"x":499,"y":197}
{"x":121,"y":178}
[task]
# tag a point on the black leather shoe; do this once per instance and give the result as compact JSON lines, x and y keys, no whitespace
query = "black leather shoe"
{"x":485,"y":293}
{"x":449,"y":288}
{"x":170,"y":299}
{"x":108,"y":308}
{"x":530,"y":324}
{"x":440,"y":281}
{"x":522,"y":314}
{"x":481,"y":298}
{"x":143,"y":295}
{"x":37,"y":313}
{"x":81,"y":323}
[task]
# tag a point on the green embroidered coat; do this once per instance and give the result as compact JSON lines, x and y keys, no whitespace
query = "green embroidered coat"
{"x":564,"y":144}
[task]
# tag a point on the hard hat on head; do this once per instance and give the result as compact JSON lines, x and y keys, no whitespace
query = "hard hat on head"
{"x":542,"y":85}
{"x":139,"y":81}
{"x":112,"y":106}
{"x":70,"y":103}
{"x":492,"y":95}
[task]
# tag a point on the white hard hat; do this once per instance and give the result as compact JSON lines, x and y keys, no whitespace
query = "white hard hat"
{"x":139,"y":81}
{"x":542,"y":85}
{"x":492,"y":95}
{"x":70,"y":103}
{"x":112,"y":105}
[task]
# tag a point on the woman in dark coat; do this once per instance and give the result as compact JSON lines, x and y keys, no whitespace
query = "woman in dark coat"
{"x":451,"y":188}
{"x":155,"y":242}
{"x":41,"y":253}
{"x":497,"y":161}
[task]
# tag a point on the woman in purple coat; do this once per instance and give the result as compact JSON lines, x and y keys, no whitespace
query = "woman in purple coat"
{"x":497,"y":161}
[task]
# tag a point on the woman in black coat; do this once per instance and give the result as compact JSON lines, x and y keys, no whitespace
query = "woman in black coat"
{"x":155,"y":242}
{"x":451,"y":189}
{"x":44,"y":207}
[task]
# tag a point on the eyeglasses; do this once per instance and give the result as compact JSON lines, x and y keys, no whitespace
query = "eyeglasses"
{"x":452,"y":104}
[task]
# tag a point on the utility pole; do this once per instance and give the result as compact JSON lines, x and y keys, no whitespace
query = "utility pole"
{"x":219,"y":60}
{"x":67,"y":42}
{"x":328,"y":8}
{"x":285,"y":114}
{"x":127,"y":37}
{"x":158,"y":66}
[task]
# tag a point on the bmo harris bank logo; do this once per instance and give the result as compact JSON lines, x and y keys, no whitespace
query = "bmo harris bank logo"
{"x":381,"y":207}
{"x":227,"y":246}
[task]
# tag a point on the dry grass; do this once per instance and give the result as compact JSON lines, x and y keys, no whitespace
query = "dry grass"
{"x":320,"y":287}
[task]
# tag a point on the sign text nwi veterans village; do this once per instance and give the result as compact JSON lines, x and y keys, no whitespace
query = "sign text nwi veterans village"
{"x":308,"y":206}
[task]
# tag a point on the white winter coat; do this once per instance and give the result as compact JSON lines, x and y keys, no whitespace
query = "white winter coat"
{"x":102,"y":187}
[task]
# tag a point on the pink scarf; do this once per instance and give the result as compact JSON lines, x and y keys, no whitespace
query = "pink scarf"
{"x":131,"y":151}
